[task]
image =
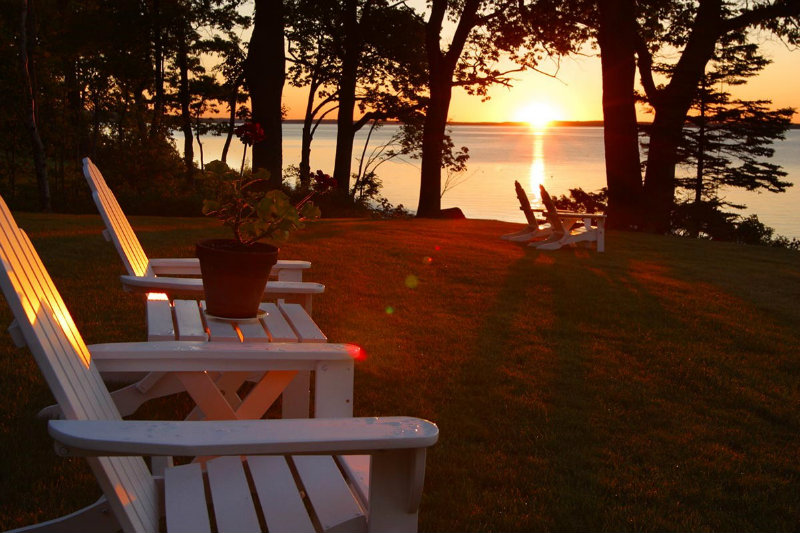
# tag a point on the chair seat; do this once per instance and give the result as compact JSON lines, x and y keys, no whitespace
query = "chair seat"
{"x":275,"y":493}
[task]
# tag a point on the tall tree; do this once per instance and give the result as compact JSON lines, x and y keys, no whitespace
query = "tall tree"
{"x":231,"y":68}
{"x":312,"y":35}
{"x":691,"y":32}
{"x":727,"y":142}
{"x":26,"y":45}
{"x":159,"y":96}
{"x":183,"y":61}
{"x":527,"y":31}
{"x":265,"y":75}
{"x":359,"y":56}
{"x":351,"y":57}
{"x":616,"y":39}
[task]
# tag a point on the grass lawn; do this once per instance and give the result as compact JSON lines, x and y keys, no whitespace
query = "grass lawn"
{"x":653,"y":387}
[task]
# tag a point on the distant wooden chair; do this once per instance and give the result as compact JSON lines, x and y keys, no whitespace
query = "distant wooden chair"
{"x":566,"y":232}
{"x":151,"y":275}
{"x":533,"y":230}
{"x":276,"y":475}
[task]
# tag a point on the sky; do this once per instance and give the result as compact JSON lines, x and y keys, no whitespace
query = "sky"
{"x":576,"y":91}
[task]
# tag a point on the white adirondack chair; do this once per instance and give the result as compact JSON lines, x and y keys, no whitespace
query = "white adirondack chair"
{"x":152,"y":275}
{"x":280,"y":475}
{"x":533,"y":230}
{"x":565,"y":232}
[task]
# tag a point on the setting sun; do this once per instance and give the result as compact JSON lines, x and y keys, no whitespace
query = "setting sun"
{"x":537,"y":114}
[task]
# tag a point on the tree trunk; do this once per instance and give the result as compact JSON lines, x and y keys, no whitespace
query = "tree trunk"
{"x":305,"y":153}
{"x":620,"y":130}
{"x":662,"y":156}
{"x":265,"y":75}
{"x":671,"y":107}
{"x":184,"y":97}
{"x":308,"y":134}
{"x":39,"y":160}
{"x":231,"y":123}
{"x":345,"y":130}
{"x":158,"y":70}
{"x":11,"y":150}
{"x":665,"y":137}
{"x":200,"y":144}
{"x":430,"y":185}
{"x":95,"y":123}
{"x":441,"y":67}
{"x":74,"y":111}
{"x":701,"y":148}
{"x":141,"y":112}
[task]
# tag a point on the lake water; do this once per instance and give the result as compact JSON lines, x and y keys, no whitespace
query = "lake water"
{"x":558,"y":157}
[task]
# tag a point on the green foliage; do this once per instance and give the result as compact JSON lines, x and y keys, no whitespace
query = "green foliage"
{"x":707,"y":220}
{"x":726,"y":143}
{"x":582,"y":201}
{"x":243,"y":203}
{"x":750,"y":230}
{"x":107,"y":85}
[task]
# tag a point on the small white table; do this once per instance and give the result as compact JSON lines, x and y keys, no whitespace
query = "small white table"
{"x":186,"y":320}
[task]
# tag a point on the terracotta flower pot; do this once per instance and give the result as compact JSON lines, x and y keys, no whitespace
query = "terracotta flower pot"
{"x":234,"y":276}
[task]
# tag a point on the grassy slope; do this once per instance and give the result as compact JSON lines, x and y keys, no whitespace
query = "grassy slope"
{"x":653,"y":387}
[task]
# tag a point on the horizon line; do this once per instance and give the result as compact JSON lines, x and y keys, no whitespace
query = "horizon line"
{"x":556,"y":123}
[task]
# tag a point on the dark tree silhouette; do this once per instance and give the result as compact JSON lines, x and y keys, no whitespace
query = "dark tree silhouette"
{"x":265,"y":75}
{"x":694,"y":30}
{"x":26,"y":45}
{"x":728,"y":143}
{"x":483,"y":31}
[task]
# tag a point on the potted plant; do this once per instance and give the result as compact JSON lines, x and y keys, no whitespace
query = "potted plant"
{"x":235,"y":271}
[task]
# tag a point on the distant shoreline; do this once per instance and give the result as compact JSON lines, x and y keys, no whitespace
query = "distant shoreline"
{"x":555,"y":123}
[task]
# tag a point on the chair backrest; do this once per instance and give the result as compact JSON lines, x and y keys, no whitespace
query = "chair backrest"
{"x":525,"y":206}
{"x":119,"y":229}
{"x":552,"y":213}
{"x":67,"y":366}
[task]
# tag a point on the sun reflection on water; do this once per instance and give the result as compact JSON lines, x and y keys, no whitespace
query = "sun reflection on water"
{"x":537,"y":171}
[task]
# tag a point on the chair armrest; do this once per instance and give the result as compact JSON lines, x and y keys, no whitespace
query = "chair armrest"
{"x":189,"y":356}
{"x":193,"y":287}
{"x":190,"y":266}
{"x":572,"y":214}
{"x":242,"y":437}
{"x":174,"y":266}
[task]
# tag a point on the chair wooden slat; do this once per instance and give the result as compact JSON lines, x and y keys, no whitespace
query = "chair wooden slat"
{"x":356,"y":468}
{"x":304,"y":326}
{"x":122,"y":234}
{"x":219,"y":330}
{"x":253,"y":331}
{"x":328,"y":493}
{"x":233,"y":506}
{"x":188,"y":322}
{"x":278,"y":495}
{"x":185,"y":500}
{"x":277,"y":326}
{"x":159,"y":321}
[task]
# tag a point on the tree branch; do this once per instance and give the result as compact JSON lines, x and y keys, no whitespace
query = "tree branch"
{"x":645,"y":64}
{"x":780,"y":8}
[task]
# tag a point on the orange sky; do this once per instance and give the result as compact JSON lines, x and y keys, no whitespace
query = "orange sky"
{"x":576,"y":94}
